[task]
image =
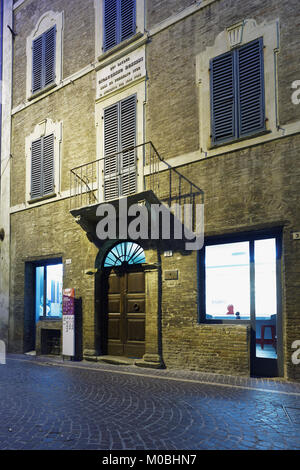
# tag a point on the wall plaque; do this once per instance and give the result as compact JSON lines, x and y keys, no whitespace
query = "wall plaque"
{"x":121,"y":72}
{"x":171,"y":275}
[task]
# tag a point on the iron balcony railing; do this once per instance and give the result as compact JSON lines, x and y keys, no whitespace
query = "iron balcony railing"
{"x":131,"y":171}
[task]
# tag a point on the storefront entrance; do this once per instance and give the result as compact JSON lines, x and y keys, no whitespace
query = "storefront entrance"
{"x":240,"y":284}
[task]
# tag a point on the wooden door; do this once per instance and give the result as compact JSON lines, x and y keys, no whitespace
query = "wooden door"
{"x":126,"y":314}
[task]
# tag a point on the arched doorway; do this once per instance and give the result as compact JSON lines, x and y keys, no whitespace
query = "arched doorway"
{"x":123,"y":305}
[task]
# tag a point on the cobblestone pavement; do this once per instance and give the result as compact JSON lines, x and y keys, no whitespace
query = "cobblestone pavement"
{"x":47,"y":404}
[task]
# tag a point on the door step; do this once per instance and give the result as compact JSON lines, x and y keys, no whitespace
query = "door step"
{"x":117,"y":360}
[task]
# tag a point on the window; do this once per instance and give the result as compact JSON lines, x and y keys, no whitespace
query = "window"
{"x":125,"y":253}
{"x":227,"y":277}
{"x":42,"y":167}
{"x":44,"y":54}
{"x":237,"y":93}
{"x":239,"y":277}
{"x":119,"y":21}
{"x":120,"y":134}
{"x":43,"y":60}
{"x":48,"y":290}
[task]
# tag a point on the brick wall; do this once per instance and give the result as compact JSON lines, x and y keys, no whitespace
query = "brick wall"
{"x":78,"y":37}
{"x":172,"y":109}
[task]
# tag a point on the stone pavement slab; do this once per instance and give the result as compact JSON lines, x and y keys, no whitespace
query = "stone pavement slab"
{"x":46,"y":403}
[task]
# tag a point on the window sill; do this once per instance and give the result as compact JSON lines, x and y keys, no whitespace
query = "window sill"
{"x":241,"y":139}
{"x":225,"y":322}
{"x":50,"y":319}
{"x":121,"y":49}
{"x":37,"y":94}
{"x":42,"y":198}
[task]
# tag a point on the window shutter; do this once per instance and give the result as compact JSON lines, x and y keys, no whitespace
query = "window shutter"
{"x":111,"y":146}
{"x":128,"y":21}
{"x":37,"y":64}
{"x":110,"y":23}
{"x":49,"y":59}
{"x":128,"y":139}
{"x":251,"y":88}
{"x":223,"y":98}
{"x":48,"y":164}
{"x":36,"y":169}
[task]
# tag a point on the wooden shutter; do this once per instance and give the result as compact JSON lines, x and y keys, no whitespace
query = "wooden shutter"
{"x":49,"y":59}
{"x":48,"y":164}
{"x":110,"y":23}
{"x":111,"y":146}
{"x":43,"y":60}
{"x":250,"y":88}
{"x":36,"y":169}
{"x":223,"y":98}
{"x":127,"y":140}
{"x":128,"y":18}
{"x":37,"y":64}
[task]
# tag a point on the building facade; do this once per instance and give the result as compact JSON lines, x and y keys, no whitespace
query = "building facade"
{"x":122,"y":105}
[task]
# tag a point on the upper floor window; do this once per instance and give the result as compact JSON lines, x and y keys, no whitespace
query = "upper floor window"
{"x":44,"y":54}
{"x":42,"y":166}
{"x":120,"y":170}
{"x":237,"y":93}
{"x":119,"y":21}
{"x":43,"y":60}
{"x":42,"y":148}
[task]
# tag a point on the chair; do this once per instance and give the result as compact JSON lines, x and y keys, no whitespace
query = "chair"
{"x":273,"y":332}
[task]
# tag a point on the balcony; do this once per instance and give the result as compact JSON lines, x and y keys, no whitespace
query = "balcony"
{"x":138,"y":174}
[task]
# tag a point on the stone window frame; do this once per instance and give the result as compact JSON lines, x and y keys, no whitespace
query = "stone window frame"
{"x":138,"y":90}
{"x":140,"y":29}
{"x":44,"y":128}
{"x":46,"y":22}
{"x":237,"y":35}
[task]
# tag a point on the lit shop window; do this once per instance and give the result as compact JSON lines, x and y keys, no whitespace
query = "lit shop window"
{"x":227,"y":270}
{"x":231,"y":286}
{"x":48,"y":291}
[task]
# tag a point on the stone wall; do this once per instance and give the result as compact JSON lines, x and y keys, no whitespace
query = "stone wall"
{"x":245,"y":190}
{"x":73,"y":105}
{"x":46,"y":232}
{"x":173,"y":108}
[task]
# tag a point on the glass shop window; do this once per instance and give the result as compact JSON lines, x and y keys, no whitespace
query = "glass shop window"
{"x":48,"y":291}
{"x":231,"y":285}
{"x":227,"y":269}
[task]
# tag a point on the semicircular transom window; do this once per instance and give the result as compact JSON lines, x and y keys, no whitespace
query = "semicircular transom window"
{"x":125,"y":252}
